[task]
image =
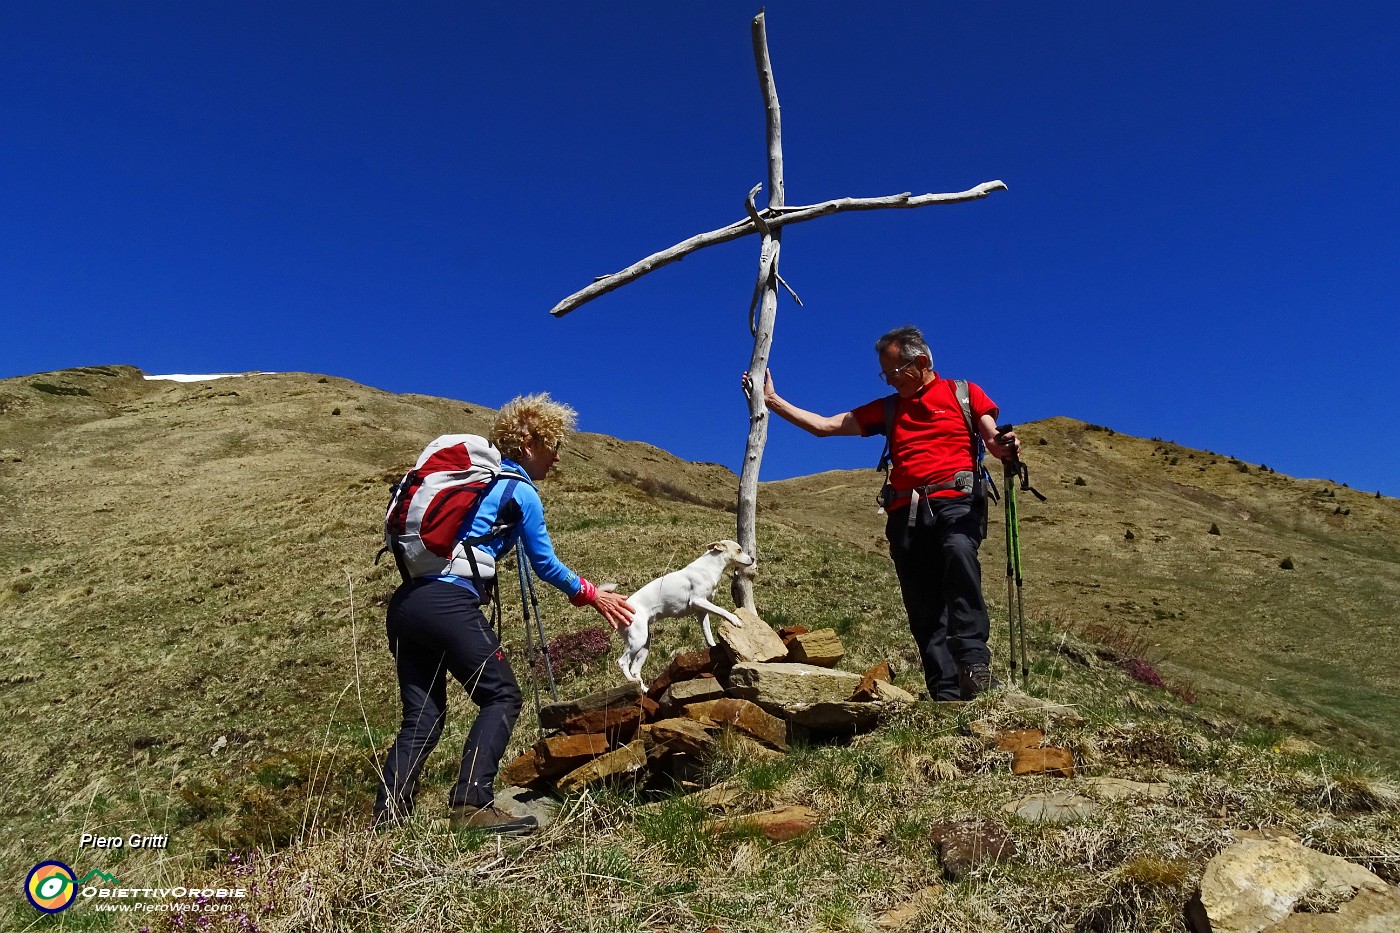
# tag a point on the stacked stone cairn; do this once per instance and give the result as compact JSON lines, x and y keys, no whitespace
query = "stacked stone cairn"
{"x":765,"y":687}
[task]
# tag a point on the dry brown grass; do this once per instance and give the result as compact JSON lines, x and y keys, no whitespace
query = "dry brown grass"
{"x":191,"y":627}
{"x":623,"y":860}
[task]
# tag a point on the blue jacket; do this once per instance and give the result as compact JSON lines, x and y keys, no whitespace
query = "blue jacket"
{"x":530,"y":531}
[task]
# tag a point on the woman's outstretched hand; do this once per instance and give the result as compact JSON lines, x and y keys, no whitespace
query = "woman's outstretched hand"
{"x":613,"y":607}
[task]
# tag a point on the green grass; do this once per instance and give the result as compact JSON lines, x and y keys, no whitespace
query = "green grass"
{"x":191,"y":555}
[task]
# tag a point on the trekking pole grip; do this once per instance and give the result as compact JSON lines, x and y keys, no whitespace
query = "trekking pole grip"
{"x":1008,"y":467}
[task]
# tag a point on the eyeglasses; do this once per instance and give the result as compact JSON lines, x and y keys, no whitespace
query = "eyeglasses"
{"x":890,"y":377}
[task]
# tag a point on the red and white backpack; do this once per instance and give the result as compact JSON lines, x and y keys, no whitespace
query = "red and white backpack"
{"x":432,"y":507}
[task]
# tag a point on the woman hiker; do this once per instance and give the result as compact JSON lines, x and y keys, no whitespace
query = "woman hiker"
{"x":436,"y":627}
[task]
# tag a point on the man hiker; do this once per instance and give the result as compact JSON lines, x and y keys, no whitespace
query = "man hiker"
{"x":933,"y":471}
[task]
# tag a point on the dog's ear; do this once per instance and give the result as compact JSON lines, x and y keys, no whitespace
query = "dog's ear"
{"x":715,"y":546}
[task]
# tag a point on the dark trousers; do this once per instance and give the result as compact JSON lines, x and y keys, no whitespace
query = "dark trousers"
{"x":936,"y":562}
{"x":436,"y":629}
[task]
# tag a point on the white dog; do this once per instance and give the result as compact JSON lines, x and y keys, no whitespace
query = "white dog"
{"x":686,"y":592}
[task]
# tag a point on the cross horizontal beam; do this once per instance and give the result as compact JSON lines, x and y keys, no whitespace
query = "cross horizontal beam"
{"x":774,"y":218}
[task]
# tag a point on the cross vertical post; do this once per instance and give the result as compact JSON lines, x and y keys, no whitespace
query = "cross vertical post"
{"x":768,"y":224}
{"x":742,"y":587}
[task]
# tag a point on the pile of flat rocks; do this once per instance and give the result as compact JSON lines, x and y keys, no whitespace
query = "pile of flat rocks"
{"x":766,"y":688}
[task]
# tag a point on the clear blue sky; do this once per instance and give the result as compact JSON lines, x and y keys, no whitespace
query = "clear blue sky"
{"x":1200,"y":240}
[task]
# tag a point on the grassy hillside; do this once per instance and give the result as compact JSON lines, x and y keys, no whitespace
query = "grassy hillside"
{"x":191,"y":626}
{"x":1181,"y":550}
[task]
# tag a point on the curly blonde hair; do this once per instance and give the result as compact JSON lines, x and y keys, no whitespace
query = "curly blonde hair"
{"x":527,"y":418}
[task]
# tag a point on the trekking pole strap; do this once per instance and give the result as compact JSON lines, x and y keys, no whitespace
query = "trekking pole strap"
{"x":1014,"y":468}
{"x":1023,"y":473}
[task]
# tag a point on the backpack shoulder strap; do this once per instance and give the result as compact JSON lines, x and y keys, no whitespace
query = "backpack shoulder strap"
{"x":982,"y":481}
{"x":507,"y":517}
{"x":964,"y":395}
{"x":510,"y":513}
{"x":891,"y":401}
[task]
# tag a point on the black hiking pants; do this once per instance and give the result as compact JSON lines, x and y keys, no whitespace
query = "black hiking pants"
{"x":436,"y":629}
{"x":941,"y":581}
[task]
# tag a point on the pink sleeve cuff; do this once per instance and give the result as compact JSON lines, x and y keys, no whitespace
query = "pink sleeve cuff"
{"x":587,"y":592}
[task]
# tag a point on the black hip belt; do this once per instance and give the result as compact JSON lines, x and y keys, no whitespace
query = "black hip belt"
{"x":964,"y":481}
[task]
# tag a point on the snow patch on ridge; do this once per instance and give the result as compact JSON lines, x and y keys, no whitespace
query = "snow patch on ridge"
{"x":185,"y":377}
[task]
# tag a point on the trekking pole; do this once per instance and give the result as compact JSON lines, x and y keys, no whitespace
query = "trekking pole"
{"x":529,"y":644}
{"x":529,"y":583}
{"x":1008,"y":477}
{"x":1020,"y":597}
{"x":1014,"y":471}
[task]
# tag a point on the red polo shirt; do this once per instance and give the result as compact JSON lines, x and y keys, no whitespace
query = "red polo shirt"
{"x":930,"y":441}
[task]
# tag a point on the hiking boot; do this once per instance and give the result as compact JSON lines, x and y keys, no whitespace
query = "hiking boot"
{"x":975,"y":680}
{"x":491,"y":819}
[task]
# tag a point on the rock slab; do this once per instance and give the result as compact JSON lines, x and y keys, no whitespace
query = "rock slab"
{"x":560,"y":753}
{"x":554,"y":715}
{"x":685,"y":666}
{"x":1056,"y":762}
{"x":842,"y":719}
{"x":885,"y":692}
{"x":965,"y":845}
{"x":822,"y":647}
{"x":779,"y":824}
{"x":720,"y":797}
{"x":523,"y":770}
{"x":1280,"y":886}
{"x":1059,"y":807}
{"x":788,"y":632}
{"x":518,"y":801}
{"x":870,"y":680}
{"x":691,"y":691}
{"x":618,"y":723}
{"x":791,"y":687}
{"x":1019,"y":738}
{"x":626,"y":760}
{"x":748,"y":718}
{"x":754,"y":641}
{"x":676,"y":736}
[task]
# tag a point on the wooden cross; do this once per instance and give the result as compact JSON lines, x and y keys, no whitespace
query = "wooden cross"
{"x":769,"y":224}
